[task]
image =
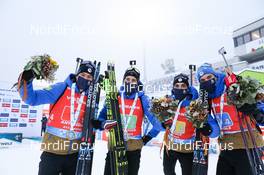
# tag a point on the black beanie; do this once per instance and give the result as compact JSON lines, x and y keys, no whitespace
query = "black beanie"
{"x":132,"y":72}
{"x":181,"y":78}
{"x":88,"y":67}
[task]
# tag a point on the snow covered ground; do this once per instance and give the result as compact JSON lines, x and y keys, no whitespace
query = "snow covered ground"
{"x":23,"y":159}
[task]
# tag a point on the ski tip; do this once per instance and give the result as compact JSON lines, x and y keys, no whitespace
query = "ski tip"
{"x":106,"y":74}
{"x":108,"y":66}
{"x":101,"y":77}
{"x":111,"y":63}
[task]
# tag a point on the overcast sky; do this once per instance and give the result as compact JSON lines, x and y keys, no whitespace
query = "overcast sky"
{"x":188,"y":31}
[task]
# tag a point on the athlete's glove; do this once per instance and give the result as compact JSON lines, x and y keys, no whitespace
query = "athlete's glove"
{"x":107,"y":124}
{"x":167,"y":123}
{"x":146,"y":139}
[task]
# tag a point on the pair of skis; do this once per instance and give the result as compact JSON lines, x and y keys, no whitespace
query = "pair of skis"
{"x":117,"y":145}
{"x":200,"y":154}
{"x":85,"y":158}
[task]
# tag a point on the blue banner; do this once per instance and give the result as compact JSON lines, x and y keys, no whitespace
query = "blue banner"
{"x":12,"y":136}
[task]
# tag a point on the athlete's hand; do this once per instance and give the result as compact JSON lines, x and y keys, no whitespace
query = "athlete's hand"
{"x":109,"y":124}
{"x":167,"y":123}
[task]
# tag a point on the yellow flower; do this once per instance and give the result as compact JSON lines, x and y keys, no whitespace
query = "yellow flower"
{"x":53,"y":62}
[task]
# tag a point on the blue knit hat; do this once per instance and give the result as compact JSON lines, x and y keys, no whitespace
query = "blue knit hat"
{"x":88,"y":67}
{"x":205,"y":68}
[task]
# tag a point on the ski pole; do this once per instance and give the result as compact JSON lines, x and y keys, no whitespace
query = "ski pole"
{"x":222,"y":52}
{"x":250,"y":157}
{"x":78,"y":62}
{"x":260,"y":166}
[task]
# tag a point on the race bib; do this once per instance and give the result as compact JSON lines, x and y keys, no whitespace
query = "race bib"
{"x":131,"y":126}
{"x":179,"y":128}
{"x":226,"y":120}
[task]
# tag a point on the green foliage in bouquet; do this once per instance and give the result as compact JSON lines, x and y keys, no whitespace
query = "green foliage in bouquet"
{"x":244,"y":91}
{"x":197,"y":113}
{"x":43,"y":66}
{"x":164,"y":108}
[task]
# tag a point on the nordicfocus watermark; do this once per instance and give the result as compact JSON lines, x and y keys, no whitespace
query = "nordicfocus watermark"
{"x":67,"y":145}
{"x":60,"y":146}
{"x":139,"y":88}
{"x":71,"y":29}
{"x":60,"y":29}
{"x":200,"y":145}
{"x":208,"y":29}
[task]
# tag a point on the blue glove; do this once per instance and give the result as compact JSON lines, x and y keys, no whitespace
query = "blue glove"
{"x":260,"y":106}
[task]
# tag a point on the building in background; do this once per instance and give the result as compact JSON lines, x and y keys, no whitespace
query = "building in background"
{"x":249,"y":44}
{"x":248,"y":48}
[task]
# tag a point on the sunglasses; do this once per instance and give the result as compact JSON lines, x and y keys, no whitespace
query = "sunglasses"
{"x":133,"y":69}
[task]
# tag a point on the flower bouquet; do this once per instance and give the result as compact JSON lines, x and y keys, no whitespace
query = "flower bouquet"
{"x":43,"y":67}
{"x":245,"y":91}
{"x":164,"y":108}
{"x":197,"y":113}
